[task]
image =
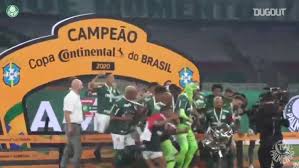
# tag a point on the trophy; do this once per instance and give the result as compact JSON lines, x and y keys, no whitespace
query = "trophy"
{"x":218,"y":139}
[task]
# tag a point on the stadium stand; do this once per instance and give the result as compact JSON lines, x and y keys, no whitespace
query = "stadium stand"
{"x":225,"y":51}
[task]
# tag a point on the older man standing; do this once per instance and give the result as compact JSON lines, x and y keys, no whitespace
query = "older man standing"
{"x":73,"y":117}
{"x":216,"y":117}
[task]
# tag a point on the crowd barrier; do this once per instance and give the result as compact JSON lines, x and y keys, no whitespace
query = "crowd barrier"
{"x":50,"y":156}
{"x":106,"y":138}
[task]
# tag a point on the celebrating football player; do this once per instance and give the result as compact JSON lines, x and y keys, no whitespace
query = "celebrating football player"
{"x":215,"y":117}
{"x":187,"y":141}
{"x":122,"y":119}
{"x":107,"y":94}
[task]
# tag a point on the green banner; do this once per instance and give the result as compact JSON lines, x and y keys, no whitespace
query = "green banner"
{"x":49,"y":103}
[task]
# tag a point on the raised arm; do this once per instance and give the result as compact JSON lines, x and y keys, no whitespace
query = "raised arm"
{"x":93,"y":84}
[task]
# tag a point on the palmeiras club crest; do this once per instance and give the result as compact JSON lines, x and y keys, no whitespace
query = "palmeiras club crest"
{"x":11,"y":74}
{"x":291,"y":113}
{"x":282,"y":153}
{"x":186,"y":76}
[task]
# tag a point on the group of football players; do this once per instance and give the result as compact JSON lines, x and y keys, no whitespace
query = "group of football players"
{"x":161,"y":121}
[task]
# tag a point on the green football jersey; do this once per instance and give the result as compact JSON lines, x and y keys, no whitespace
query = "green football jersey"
{"x":183,"y":103}
{"x":152,"y":106}
{"x":121,"y":108}
{"x":106,"y":97}
{"x":210,"y":100}
{"x":199,"y":101}
{"x":216,"y":118}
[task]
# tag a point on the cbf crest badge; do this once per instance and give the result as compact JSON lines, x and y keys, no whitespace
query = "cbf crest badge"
{"x":291,"y":113}
{"x":186,"y":76}
{"x":11,"y":74}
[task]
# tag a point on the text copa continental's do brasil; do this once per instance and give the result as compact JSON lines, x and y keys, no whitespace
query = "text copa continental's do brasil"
{"x":110,"y":33}
{"x":66,"y":55}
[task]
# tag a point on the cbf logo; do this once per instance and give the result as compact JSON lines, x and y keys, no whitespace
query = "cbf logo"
{"x":186,"y":76}
{"x":291,"y":113}
{"x":269,"y":11}
{"x":11,"y":74}
{"x":282,"y":153}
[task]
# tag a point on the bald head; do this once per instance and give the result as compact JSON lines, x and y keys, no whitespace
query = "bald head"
{"x":131,"y":92}
{"x":76,"y":85}
{"x":130,"y":88}
{"x":218,"y":102}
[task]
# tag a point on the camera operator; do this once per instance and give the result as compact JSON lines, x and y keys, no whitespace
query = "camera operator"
{"x":268,"y":122}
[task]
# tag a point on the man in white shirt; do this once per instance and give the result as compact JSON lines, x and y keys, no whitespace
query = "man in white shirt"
{"x":73,"y":117}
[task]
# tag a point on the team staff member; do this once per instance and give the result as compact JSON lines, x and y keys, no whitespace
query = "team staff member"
{"x":215,"y":117}
{"x":122,"y":115}
{"x":107,"y":95}
{"x":73,"y":117}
